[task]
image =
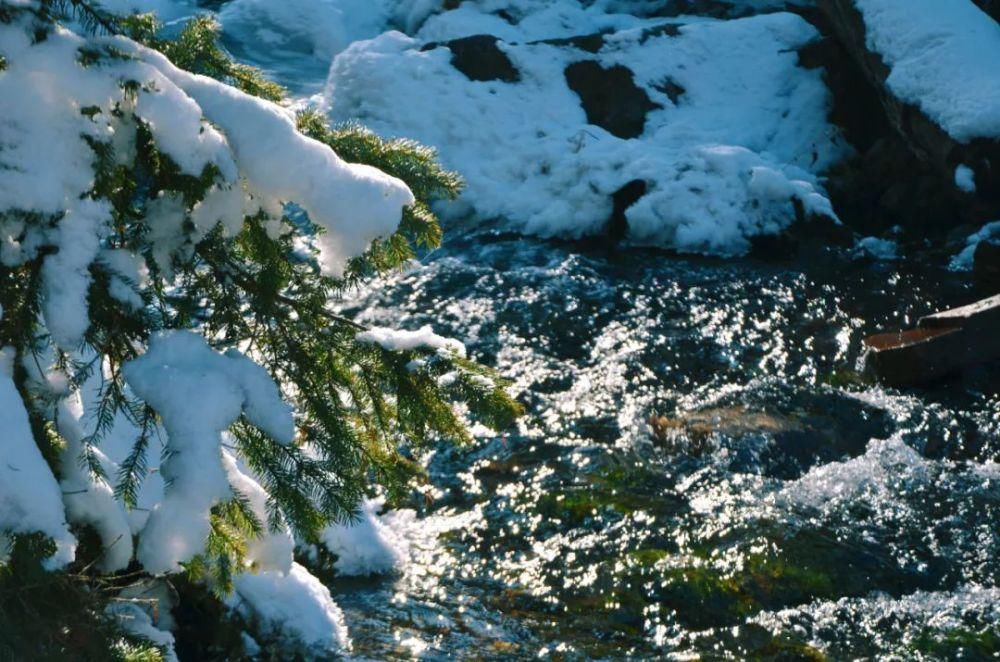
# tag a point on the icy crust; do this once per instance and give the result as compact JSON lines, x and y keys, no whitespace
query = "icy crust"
{"x":723,"y":162}
{"x":925,"y":43}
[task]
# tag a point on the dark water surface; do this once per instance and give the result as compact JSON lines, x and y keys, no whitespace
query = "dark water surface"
{"x":778,"y":509}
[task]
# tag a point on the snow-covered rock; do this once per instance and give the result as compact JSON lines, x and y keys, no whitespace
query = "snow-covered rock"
{"x":932,"y":67}
{"x":294,"y":607}
{"x":729,"y":147}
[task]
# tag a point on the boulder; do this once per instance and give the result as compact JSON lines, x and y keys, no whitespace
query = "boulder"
{"x":912,"y":166}
{"x":942,"y":344}
{"x":820,"y":428}
{"x":479,"y":58}
{"x":610,"y":97}
{"x":986,"y":265}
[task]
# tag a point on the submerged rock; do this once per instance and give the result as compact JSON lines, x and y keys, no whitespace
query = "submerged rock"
{"x":822,"y":428}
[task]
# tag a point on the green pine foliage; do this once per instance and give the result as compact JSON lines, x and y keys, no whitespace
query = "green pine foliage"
{"x":60,"y":615}
{"x":357,"y":404}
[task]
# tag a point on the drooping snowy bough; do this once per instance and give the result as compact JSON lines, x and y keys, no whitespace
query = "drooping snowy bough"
{"x":159,"y":302}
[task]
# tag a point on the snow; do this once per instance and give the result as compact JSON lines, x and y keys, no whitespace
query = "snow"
{"x":880,"y":249}
{"x":396,"y":340}
{"x":66,"y":273}
{"x":354,"y":203}
{"x":30,"y":498}
{"x":274,"y":549}
{"x":370,"y":546}
{"x":127,"y":271}
{"x":198,"y":393}
{"x":722,"y":164}
{"x":295,"y":606}
{"x":964,"y":260}
{"x":943,"y":58}
{"x":90,"y":500}
{"x":324,"y":27}
{"x":965,"y":179}
{"x":47,"y":165}
{"x":133,"y":619}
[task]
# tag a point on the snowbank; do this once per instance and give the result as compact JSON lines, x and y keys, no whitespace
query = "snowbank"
{"x":734,"y":133}
{"x":944,"y":59}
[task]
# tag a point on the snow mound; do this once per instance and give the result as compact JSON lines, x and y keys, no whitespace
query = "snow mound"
{"x":943,"y":57}
{"x":730,"y":145}
{"x":372,"y":545}
{"x":293,"y":606}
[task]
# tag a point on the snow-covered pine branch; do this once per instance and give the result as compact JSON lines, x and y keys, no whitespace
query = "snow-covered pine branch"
{"x":157,"y":300}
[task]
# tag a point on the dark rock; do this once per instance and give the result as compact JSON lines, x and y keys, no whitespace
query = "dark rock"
{"x":621,"y":200}
{"x":610,"y":97}
{"x":711,"y":8}
{"x":991,"y":7}
{"x":591,"y":43}
{"x":479,"y":58}
{"x":885,"y":185}
{"x":942,"y":344}
{"x":807,"y":236}
{"x":673,"y":91}
{"x":986,"y":265}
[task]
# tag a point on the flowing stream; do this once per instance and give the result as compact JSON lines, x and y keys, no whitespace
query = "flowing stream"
{"x":777,"y":508}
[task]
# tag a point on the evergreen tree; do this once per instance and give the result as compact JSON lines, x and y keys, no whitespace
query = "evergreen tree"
{"x":172,"y":242}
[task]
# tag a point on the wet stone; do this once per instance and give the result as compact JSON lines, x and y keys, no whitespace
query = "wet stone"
{"x":821,"y":429}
